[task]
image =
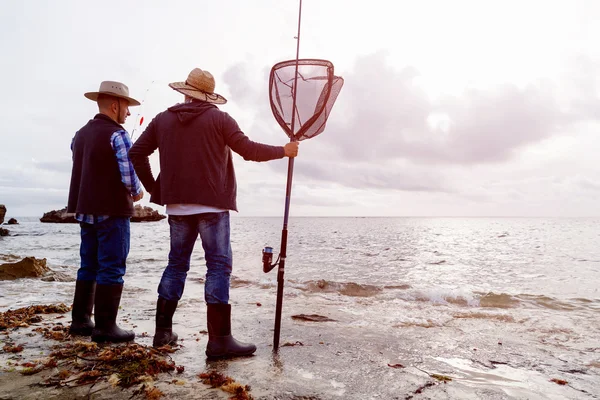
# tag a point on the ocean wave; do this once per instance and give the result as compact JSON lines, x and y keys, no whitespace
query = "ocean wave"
{"x":491,"y":300}
{"x":10,"y":257}
{"x":440,"y":296}
{"x":484,"y":315}
{"x":404,"y":286}
{"x":420,"y":323}
{"x":498,"y":300}
{"x":344,"y":288}
{"x":29,"y":234}
{"x":505,"y":300}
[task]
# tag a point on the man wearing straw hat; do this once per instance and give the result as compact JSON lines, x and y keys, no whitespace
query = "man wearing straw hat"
{"x":103,"y":189}
{"x":198,"y":186}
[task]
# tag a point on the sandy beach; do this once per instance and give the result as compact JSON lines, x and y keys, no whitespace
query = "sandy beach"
{"x":388,"y":337}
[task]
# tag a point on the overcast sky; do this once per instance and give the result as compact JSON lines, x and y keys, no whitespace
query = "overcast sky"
{"x":449,"y":108}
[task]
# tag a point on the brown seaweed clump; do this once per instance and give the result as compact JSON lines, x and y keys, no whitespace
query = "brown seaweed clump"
{"x":23,"y":317}
{"x":126,"y":365}
{"x":227,"y":384}
{"x":58,"y":332}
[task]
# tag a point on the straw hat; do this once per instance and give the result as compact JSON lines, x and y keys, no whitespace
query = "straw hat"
{"x":111,"y":88}
{"x":199,"y":85}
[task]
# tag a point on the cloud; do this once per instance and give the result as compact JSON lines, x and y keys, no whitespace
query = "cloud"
{"x":37,"y":174}
{"x":384,"y":115}
{"x":364,"y":175}
{"x":386,"y":133}
{"x":584,"y":72}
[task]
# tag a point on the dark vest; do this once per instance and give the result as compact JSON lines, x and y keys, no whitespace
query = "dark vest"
{"x":96,"y":186}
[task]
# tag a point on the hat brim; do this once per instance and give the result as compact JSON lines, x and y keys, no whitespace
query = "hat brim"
{"x":94,"y":97}
{"x":191,"y":91}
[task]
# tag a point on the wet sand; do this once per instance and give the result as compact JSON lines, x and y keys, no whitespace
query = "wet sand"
{"x":341,"y":359}
{"x":502,"y":307}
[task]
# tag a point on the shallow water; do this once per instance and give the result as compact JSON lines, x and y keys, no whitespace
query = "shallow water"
{"x":500,"y":305}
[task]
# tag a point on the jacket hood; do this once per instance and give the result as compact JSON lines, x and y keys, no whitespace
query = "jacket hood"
{"x":187,"y":112}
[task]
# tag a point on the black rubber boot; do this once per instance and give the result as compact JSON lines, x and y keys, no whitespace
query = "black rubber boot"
{"x":220,"y":342}
{"x":83,"y":304}
{"x":108,"y":298}
{"x":164,"y":323}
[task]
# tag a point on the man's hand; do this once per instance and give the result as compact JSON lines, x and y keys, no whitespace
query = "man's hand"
{"x":138,"y":197}
{"x":291,"y":149}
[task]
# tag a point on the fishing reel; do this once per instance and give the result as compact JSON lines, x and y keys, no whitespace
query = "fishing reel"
{"x":267,"y":259}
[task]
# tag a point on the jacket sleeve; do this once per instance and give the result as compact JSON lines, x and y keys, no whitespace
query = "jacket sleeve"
{"x":241,"y":144}
{"x":139,"y":153}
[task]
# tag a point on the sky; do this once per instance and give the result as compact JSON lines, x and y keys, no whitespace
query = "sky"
{"x":461,"y":108}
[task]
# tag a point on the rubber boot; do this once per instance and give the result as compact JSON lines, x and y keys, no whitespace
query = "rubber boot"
{"x":108,"y":298}
{"x":83,"y":304}
{"x":164,"y":323}
{"x":220,"y":342}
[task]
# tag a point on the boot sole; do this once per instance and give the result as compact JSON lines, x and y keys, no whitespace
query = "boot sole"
{"x":81,"y":332}
{"x":227,"y":355}
{"x":171,"y":343}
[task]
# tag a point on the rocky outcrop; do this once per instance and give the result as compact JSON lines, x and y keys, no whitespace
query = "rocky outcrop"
{"x":141,"y":214}
{"x":31,"y":267}
{"x":59,"y":217}
{"x":2,"y":213}
{"x":13,"y":221}
{"x":146,"y":214}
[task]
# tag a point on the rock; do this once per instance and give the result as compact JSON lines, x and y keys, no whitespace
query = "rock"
{"x":2,"y":213}
{"x":59,"y":217}
{"x":312,"y":317}
{"x":13,"y":221}
{"x":29,"y":267}
{"x":145,"y":214}
{"x":140,"y":214}
{"x":3,"y":232}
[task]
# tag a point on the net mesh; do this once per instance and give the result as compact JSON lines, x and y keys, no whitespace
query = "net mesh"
{"x":316,"y":89}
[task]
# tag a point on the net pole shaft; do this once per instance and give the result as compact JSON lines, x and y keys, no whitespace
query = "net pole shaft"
{"x":288,"y":195}
{"x":283,"y":254}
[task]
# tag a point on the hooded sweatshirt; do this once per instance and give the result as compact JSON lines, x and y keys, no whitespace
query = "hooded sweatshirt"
{"x":194,"y":141}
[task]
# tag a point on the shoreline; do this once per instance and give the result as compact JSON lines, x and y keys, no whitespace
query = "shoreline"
{"x":496,"y":309}
{"x":340,"y":359}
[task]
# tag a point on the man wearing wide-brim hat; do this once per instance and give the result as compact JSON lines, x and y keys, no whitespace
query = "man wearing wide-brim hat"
{"x":198,"y":186}
{"x":102,"y":191}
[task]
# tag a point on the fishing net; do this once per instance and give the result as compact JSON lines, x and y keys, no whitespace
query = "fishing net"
{"x":304,"y":115}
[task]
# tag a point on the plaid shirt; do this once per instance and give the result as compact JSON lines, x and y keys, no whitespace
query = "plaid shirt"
{"x":120,"y":143}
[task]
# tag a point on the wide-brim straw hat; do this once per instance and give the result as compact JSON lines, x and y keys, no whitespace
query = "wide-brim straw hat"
{"x":115,"y":89}
{"x":199,"y":85}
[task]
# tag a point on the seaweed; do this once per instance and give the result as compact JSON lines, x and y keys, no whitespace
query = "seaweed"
{"x":23,"y":317}
{"x":227,"y":384}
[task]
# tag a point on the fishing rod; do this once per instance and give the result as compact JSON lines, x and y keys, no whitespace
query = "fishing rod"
{"x":141,"y":120}
{"x":299,"y":123}
{"x":288,"y":196}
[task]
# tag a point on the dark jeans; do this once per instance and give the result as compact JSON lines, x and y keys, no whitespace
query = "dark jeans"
{"x":104,"y":249}
{"x":214,"y":232}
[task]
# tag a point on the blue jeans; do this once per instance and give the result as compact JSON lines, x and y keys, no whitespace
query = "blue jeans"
{"x":214,"y":231}
{"x":104,"y":249}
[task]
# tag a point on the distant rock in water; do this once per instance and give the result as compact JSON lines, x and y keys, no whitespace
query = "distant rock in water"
{"x":2,"y":213}
{"x":3,"y":232}
{"x":59,"y":217}
{"x":146,"y":214}
{"x":140,"y":214}
{"x":13,"y":221}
